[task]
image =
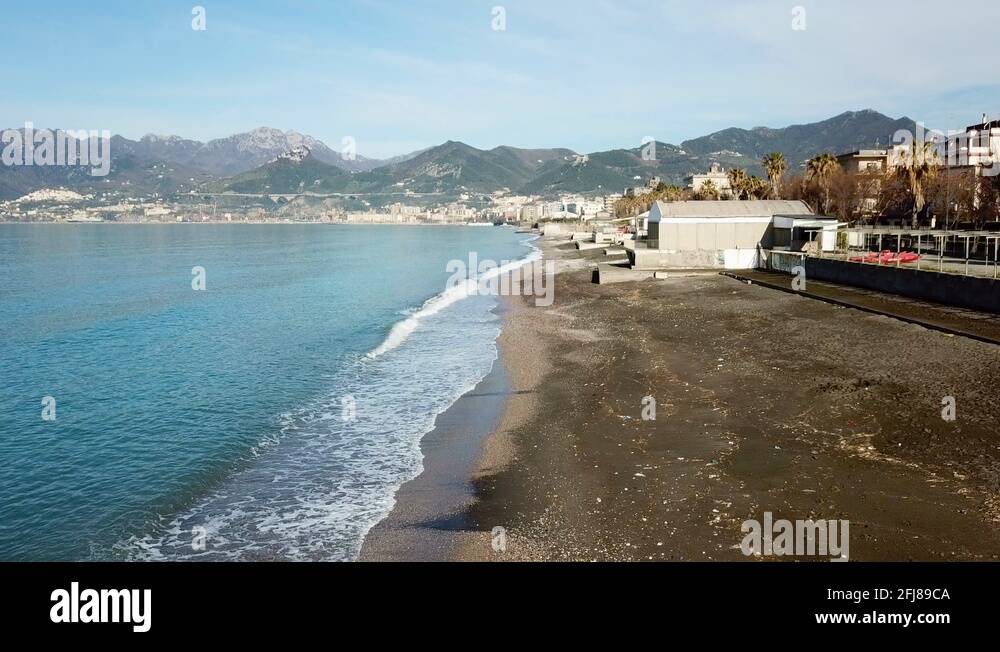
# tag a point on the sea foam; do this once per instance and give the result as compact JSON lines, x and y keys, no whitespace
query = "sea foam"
{"x":469,"y":287}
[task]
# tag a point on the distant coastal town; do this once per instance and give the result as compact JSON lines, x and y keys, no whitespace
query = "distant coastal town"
{"x":501,"y":206}
{"x":62,"y":205}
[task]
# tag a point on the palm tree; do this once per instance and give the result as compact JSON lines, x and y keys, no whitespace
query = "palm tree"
{"x":626,"y":207}
{"x":708,"y":190}
{"x":820,"y":169}
{"x":774,"y":165}
{"x":620,"y":207}
{"x":738,"y":182}
{"x":919,"y":163}
{"x":757,"y":188}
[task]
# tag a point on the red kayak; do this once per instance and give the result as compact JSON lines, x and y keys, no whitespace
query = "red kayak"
{"x":886,"y":258}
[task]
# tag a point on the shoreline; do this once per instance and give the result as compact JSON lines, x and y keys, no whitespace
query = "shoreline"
{"x":470,"y":441}
{"x":429,"y":519}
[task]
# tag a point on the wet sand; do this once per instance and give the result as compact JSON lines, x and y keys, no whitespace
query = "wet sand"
{"x":765,"y":402}
{"x":428,"y":519}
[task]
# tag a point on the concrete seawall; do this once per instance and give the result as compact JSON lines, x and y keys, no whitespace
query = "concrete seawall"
{"x":972,"y":292}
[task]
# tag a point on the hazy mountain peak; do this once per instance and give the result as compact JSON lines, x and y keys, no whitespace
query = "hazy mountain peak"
{"x":295,"y":139}
{"x":262,"y":138}
{"x":457,"y":144}
{"x":160,"y":138}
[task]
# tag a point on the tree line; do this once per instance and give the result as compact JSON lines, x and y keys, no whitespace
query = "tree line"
{"x":742,"y":185}
{"x":916,"y":189}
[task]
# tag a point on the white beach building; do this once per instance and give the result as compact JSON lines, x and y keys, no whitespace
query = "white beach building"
{"x":723,"y":234}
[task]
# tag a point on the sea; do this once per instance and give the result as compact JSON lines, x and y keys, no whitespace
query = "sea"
{"x":227,"y":392}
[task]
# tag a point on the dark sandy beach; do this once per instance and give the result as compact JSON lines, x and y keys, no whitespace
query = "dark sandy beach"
{"x":765,"y":402}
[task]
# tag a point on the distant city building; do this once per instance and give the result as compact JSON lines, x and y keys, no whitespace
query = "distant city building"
{"x":459,"y":211}
{"x":589,"y":208}
{"x":978,"y":148}
{"x":531,"y":212}
{"x":716,"y":174}
{"x":403,"y":209}
{"x":405,"y":214}
{"x":156,"y":211}
{"x":865,"y":160}
{"x":553,"y":209}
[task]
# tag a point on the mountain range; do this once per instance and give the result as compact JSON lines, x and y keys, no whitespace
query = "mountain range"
{"x":268,"y":160}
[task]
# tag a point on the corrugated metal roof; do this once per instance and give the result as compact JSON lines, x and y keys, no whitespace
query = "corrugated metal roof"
{"x":733,"y":208}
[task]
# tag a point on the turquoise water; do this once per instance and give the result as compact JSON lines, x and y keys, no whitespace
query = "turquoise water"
{"x":270,"y":416}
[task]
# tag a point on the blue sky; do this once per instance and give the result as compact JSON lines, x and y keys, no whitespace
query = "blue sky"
{"x":399,"y":75}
